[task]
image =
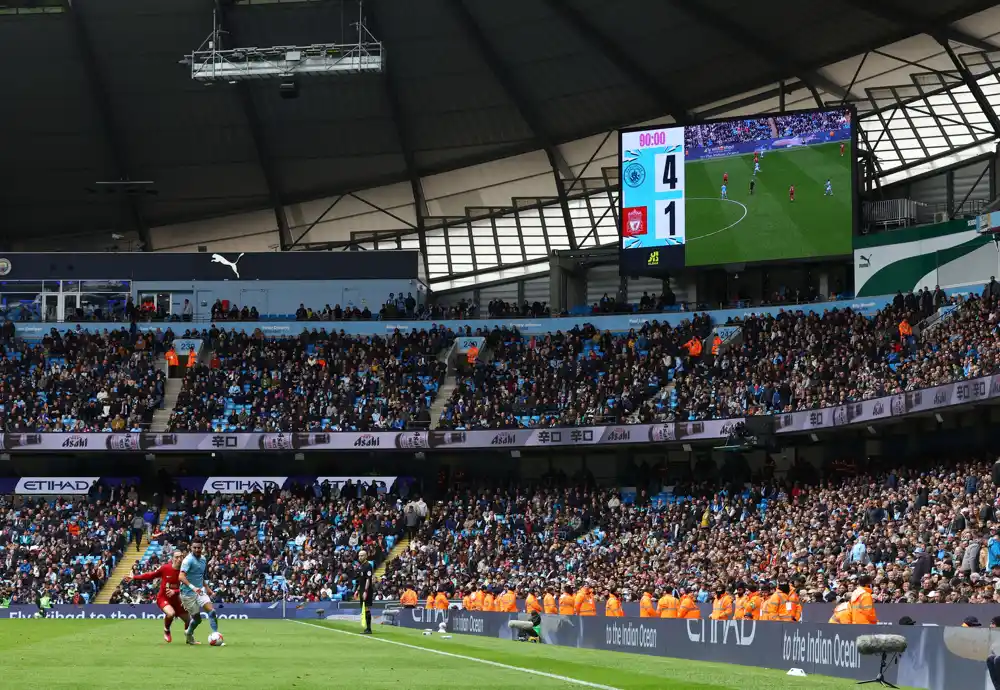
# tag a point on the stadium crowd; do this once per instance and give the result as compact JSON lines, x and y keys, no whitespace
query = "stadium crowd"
{"x":316,"y":381}
{"x":923,"y":534}
{"x":762,"y":128}
{"x":300,"y":542}
{"x":80,"y":381}
{"x":795,"y":360}
{"x":65,"y":549}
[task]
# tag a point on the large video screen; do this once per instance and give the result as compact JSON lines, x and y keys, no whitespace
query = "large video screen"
{"x":763,"y":188}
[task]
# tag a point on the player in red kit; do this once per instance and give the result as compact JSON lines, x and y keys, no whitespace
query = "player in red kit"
{"x":791,"y":193}
{"x":756,"y":156}
{"x":169,"y":597}
{"x":725,"y":178}
{"x":841,"y":149}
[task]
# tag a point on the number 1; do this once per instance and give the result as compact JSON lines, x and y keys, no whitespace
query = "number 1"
{"x":670,"y":172}
{"x":669,"y":210}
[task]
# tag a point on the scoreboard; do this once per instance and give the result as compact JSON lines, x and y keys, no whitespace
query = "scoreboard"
{"x":653,"y":198}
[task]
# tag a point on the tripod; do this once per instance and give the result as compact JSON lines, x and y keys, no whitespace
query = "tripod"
{"x":880,"y":678}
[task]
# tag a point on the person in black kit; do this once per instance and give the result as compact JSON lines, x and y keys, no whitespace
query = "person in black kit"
{"x":366,"y":590}
{"x":752,"y":184}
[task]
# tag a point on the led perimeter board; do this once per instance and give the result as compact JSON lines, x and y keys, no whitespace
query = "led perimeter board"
{"x":741,"y":190}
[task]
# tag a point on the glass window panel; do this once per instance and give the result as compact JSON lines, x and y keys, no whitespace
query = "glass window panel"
{"x":962,"y":140}
{"x":105,"y":286}
{"x":32,"y":286}
{"x":21,"y":306}
{"x":505,"y":222}
{"x":102,"y":306}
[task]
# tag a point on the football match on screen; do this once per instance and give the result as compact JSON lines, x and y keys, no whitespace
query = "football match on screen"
{"x":499,"y":344}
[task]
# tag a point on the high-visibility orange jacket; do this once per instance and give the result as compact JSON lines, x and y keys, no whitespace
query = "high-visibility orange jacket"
{"x":842,"y":614}
{"x":693,"y":347}
{"x":905,"y":329}
{"x":716,"y":344}
{"x":667,"y":606}
{"x":549,"y":603}
{"x":740,"y":609}
{"x":488,"y":602}
{"x":755,"y":605}
{"x":722,"y":608}
{"x":192,"y":358}
{"x":409,"y":598}
{"x":863,"y":607}
{"x":613,"y":607}
{"x":583,"y":602}
{"x":647,"y":609}
{"x":566,"y":605}
{"x":476,"y":601}
{"x":507,"y":602}
{"x":777,"y":608}
{"x":531,"y":604}
{"x":441,"y":601}
{"x":171,"y":357}
{"x":472,"y":354}
{"x":793,"y":597}
{"x":429,"y":604}
{"x":688,"y":609}
{"x":467,"y":602}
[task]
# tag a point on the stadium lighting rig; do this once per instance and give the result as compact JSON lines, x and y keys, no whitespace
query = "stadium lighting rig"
{"x":212,"y":63}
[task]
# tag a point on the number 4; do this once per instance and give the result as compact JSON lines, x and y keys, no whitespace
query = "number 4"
{"x":670,"y":172}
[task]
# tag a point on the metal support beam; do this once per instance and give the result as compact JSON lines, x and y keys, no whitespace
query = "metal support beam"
{"x":106,"y":115}
{"x":898,"y":14}
{"x":973,"y":85}
{"x":703,"y":12}
{"x":958,"y":207}
{"x":316,"y":222}
{"x":403,"y":134}
{"x":560,"y":168}
{"x":264,"y":159}
{"x":626,"y":64}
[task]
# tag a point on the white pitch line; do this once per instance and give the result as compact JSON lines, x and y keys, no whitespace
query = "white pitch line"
{"x":565,"y":679}
{"x":706,"y":198}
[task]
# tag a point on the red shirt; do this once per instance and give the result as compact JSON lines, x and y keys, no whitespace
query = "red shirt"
{"x":791,"y":190}
{"x":169,"y":577}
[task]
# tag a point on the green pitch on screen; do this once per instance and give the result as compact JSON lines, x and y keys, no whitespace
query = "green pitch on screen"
{"x":767,"y":226}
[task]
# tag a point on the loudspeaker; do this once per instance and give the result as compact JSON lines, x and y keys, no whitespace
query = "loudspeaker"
{"x":288,"y":88}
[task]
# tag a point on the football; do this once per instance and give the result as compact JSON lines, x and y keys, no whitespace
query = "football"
{"x":215,"y":639}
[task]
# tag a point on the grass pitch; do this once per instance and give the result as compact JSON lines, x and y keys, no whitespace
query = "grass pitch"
{"x":289,"y":654}
{"x":767,"y":226}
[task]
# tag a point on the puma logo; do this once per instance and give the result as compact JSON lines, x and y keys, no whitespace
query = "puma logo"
{"x":220,"y":259}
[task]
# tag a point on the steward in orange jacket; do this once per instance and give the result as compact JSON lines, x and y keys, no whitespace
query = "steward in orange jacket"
{"x":668,"y":605}
{"x":647,"y":609}
{"x":507,"y":602}
{"x":549,"y":602}
{"x":862,"y":604}
{"x":722,"y":607}
{"x":567,"y":606}
{"x":476,"y":600}
{"x":613,"y":606}
{"x":583,"y":602}
{"x":778,"y":607}
{"x":531,"y":604}
{"x":741,"y":609}
{"x":441,"y":601}
{"x":793,"y":597}
{"x":841,"y":614}
{"x":409,"y":599}
{"x":489,"y":604}
{"x":716,"y":344}
{"x":693,"y":346}
{"x":687,"y":608}
{"x":429,"y":603}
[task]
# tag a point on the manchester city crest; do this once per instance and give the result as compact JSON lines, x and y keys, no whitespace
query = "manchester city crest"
{"x":635,"y":174}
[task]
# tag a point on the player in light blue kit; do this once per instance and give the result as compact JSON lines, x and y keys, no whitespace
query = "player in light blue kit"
{"x":829,"y":188}
{"x":725,"y":195}
{"x":196,"y":596}
{"x":756,"y":169}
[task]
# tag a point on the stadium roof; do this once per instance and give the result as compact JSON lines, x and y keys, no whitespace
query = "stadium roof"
{"x":92,"y":92}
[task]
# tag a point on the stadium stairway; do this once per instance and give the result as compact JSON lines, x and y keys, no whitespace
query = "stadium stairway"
{"x":161,"y":417}
{"x":124,"y":567}
{"x":397,"y":549}
{"x":443,"y":396}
